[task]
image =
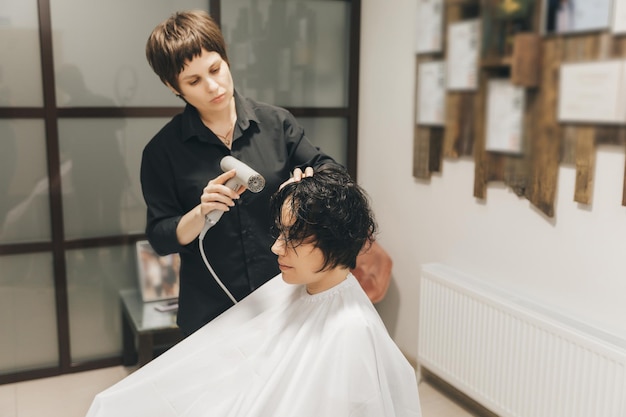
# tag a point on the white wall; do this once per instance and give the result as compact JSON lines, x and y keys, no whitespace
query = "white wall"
{"x":574,"y":262}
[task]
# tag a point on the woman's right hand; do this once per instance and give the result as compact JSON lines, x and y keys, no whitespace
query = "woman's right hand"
{"x":217,"y":196}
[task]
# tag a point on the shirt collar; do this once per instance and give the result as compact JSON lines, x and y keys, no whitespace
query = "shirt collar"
{"x":193,"y":126}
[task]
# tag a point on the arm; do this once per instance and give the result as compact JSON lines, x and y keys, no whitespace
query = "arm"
{"x":305,"y":157}
{"x":170,"y":226}
{"x":215,"y":196}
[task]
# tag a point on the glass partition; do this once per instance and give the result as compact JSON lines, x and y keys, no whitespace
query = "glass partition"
{"x":101,"y":189}
{"x":24,"y":191}
{"x":292,"y":53}
{"x":329,"y":134}
{"x":100,"y":58}
{"x":94,"y":279}
{"x":27,"y":313}
{"x":20,"y":63}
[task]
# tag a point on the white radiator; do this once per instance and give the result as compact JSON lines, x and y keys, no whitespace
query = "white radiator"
{"x":513,"y":356}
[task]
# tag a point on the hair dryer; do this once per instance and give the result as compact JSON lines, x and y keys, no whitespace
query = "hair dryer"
{"x":245,"y":176}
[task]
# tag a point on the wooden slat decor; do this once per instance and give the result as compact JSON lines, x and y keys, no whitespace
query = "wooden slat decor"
{"x":526,"y":60}
{"x":426,"y":152}
{"x":531,"y":60}
{"x":585,"y":163}
{"x":432,"y":144}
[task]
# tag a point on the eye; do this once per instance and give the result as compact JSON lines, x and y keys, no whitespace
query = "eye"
{"x":194,"y":81}
{"x":215,"y":70}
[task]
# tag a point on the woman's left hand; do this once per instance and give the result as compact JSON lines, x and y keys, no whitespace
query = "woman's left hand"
{"x":298,"y":174}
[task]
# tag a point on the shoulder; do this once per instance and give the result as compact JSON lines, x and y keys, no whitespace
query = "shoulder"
{"x":355,"y":313}
{"x":260,"y":111}
{"x":169,"y":134}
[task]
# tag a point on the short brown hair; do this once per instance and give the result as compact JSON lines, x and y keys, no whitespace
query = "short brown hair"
{"x":179,"y":39}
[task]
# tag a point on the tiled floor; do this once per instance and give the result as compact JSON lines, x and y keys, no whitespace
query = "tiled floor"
{"x":71,"y":395}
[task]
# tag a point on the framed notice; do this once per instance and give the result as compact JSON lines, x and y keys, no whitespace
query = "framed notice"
{"x":593,"y":92}
{"x":429,"y":30}
{"x":431,"y":93}
{"x":505,"y":116}
{"x":569,"y":16}
{"x":463,"y":54}
{"x":159,"y":277}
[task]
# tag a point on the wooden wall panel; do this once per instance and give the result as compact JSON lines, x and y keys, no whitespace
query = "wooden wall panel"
{"x":535,"y":65}
{"x":427,"y":153}
{"x":546,"y":144}
{"x":585,"y":164}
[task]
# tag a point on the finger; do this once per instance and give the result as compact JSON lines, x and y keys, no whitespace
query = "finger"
{"x":308,"y":172}
{"x":222,"y":178}
{"x":218,"y":185}
{"x":289,"y":181}
{"x":297,"y":174}
{"x":216,"y":199}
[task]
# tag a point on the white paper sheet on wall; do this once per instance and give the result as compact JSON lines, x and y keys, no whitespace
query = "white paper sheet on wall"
{"x":618,"y":24}
{"x":593,"y":92}
{"x":505,"y":116}
{"x":429,"y":29}
{"x":463,"y":54}
{"x":431,"y":93}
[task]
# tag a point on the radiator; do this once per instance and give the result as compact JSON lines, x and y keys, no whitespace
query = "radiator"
{"x":514,"y":356}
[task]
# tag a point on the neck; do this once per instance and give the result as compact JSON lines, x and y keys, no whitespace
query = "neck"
{"x":223,"y":117}
{"x":222,"y":124}
{"x":334,"y":277}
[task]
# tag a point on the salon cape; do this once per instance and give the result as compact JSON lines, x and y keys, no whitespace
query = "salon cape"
{"x":280,"y":352}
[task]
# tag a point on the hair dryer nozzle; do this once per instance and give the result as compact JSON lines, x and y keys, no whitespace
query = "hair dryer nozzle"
{"x":245,"y":176}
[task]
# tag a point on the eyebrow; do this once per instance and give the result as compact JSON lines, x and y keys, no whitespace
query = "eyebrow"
{"x":218,"y":61}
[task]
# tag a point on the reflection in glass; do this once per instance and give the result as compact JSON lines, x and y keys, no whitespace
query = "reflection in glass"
{"x":27,"y":313}
{"x":329,"y":134}
{"x":114,"y":65}
{"x":94,"y":279}
{"x":134,"y":138}
{"x":20,"y":65}
{"x":287,"y":52}
{"x":101,"y":191}
{"x":24,"y":192}
{"x":96,"y":178}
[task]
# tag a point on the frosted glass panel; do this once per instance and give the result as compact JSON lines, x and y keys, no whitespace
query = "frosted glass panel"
{"x":20,"y":63}
{"x":94,"y":278}
{"x":27,"y":313}
{"x":101,"y":189}
{"x":289,"y":52}
{"x":99,"y":58}
{"x":329,"y":134}
{"x":24,"y":202}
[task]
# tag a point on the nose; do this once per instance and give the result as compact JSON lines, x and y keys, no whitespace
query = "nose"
{"x":211,"y":83}
{"x":278,"y":248}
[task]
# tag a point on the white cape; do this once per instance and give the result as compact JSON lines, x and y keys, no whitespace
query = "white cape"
{"x":280,"y":352}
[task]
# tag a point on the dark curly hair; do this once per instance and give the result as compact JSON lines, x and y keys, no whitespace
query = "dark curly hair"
{"x":328,"y":209}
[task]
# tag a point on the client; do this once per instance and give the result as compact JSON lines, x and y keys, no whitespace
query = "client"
{"x":314,"y":349}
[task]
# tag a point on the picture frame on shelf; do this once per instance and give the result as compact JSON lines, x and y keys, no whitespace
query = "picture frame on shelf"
{"x":159,"y":276}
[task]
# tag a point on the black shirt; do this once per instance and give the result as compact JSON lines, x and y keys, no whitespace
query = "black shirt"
{"x":176,"y":166}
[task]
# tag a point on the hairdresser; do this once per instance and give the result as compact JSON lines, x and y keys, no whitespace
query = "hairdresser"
{"x":181,"y":176}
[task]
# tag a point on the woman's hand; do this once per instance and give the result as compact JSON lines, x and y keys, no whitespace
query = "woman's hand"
{"x":298,"y":174}
{"x":217,"y":196}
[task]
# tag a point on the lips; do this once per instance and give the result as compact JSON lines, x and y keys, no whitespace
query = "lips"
{"x":283,"y":267}
{"x":218,"y":98}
